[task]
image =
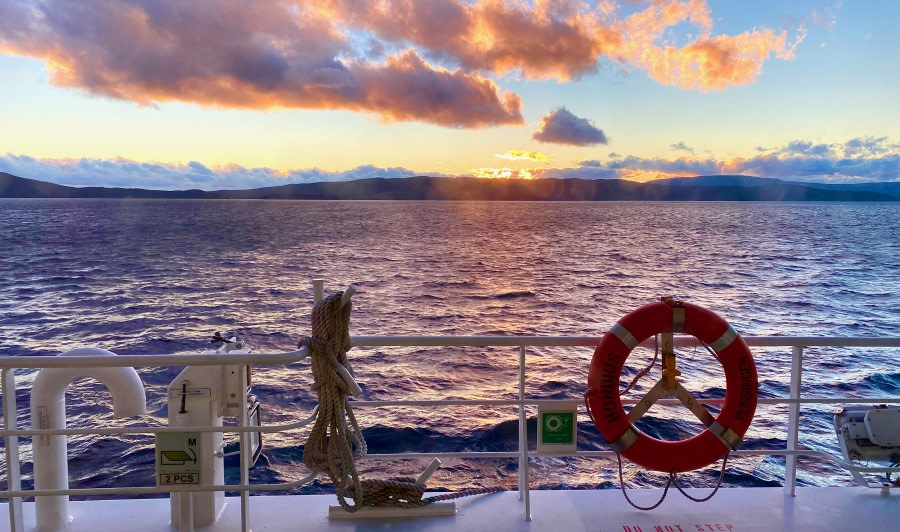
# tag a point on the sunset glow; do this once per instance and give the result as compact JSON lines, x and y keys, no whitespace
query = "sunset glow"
{"x":171,"y":94}
{"x":502,"y":173}
{"x":643,"y":176}
{"x":523,"y":155}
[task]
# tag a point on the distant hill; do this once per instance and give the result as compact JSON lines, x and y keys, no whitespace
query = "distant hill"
{"x":704,"y":188}
{"x":19,"y":187}
{"x":721,"y":181}
{"x":887,"y":188}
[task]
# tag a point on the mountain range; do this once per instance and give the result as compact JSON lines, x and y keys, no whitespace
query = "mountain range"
{"x":702,"y":188}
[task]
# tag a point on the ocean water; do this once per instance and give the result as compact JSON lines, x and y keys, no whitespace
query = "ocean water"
{"x":148,"y":276}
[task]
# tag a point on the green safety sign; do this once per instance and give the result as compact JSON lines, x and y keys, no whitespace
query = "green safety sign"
{"x":557,"y":428}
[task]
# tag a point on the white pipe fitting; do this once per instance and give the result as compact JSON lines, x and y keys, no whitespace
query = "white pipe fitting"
{"x":348,"y":293}
{"x":48,"y":411}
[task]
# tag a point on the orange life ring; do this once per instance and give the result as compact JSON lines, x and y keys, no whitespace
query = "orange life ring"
{"x":723,"y":433}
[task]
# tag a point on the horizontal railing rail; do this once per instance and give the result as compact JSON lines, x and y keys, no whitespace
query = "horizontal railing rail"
{"x":146,"y":361}
{"x":290,"y":357}
{"x":284,"y":427}
{"x":593,"y":341}
{"x":9,"y":364}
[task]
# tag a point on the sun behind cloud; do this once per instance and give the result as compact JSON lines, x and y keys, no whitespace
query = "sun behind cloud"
{"x":524,"y":155}
{"x":488,"y":172}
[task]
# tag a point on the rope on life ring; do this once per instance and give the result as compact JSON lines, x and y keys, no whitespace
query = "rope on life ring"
{"x":723,"y":433}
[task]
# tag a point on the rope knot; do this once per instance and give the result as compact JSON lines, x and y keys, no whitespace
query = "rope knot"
{"x":314,"y":344}
{"x":336,"y":440}
{"x":399,"y":491}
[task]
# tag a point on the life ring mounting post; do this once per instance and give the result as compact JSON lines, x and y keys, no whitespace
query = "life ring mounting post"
{"x":667,"y":339}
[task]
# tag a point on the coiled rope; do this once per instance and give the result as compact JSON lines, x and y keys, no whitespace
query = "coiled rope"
{"x":336,"y":440}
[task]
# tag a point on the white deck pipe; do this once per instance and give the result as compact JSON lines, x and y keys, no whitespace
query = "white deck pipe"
{"x":48,"y":411}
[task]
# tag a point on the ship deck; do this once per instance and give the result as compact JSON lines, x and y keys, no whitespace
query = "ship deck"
{"x":732,"y":509}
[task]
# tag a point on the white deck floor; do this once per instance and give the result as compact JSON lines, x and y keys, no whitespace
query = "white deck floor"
{"x":756,"y":509}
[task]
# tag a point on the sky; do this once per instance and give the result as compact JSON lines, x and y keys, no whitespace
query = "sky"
{"x":229,"y":94}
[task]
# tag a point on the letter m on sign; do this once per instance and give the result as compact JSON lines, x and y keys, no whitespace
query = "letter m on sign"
{"x":192,"y":442}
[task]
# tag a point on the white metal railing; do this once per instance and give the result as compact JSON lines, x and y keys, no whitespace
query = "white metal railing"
{"x":8,"y":365}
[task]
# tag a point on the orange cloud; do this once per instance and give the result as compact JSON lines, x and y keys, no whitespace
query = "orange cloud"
{"x":706,"y":63}
{"x":441,"y":53}
{"x":563,"y":40}
{"x":550,"y":40}
{"x":235,"y":54}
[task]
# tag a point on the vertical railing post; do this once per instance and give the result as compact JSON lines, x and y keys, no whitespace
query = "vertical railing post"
{"x":246,"y":453}
{"x":524,"y":492}
{"x":793,"y":429}
{"x":13,"y":475}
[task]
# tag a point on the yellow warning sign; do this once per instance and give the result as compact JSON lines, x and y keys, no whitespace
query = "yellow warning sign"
{"x":177,"y":458}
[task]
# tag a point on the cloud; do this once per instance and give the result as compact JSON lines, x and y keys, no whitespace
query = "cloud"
{"x":560,"y":126}
{"x":170,"y":176}
{"x":805,"y":148}
{"x":681,"y":146}
{"x":868,"y":145}
{"x":565,"y":40}
{"x":407,"y":88}
{"x":827,"y":18}
{"x":523,"y":155}
{"x":227,"y":53}
{"x":868,"y":158}
{"x":708,"y":62}
{"x":433,"y":61}
{"x":857,"y":159}
{"x":819,"y":168}
{"x":547,"y":40}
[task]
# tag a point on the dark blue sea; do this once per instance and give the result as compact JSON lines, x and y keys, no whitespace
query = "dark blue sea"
{"x":147,"y":276}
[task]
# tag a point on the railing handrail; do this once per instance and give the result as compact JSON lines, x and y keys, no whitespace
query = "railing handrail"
{"x":143,"y":361}
{"x":290,"y":357}
{"x":593,"y":341}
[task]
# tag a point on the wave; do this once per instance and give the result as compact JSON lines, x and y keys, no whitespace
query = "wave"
{"x":449,"y":284}
{"x":512,"y":294}
{"x":885,"y":382}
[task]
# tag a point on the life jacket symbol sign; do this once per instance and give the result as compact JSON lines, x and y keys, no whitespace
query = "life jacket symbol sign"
{"x":557,"y":428}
